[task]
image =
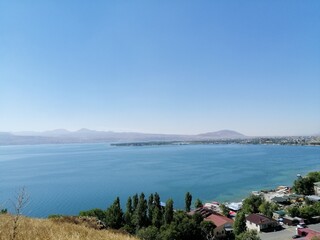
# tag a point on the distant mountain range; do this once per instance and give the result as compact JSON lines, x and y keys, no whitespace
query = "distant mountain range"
{"x":86,"y":136}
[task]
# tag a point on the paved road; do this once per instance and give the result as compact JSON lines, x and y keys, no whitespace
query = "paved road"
{"x":284,"y":234}
{"x":315,"y":227}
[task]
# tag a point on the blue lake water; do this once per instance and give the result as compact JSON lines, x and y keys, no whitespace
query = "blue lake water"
{"x":64,"y":179}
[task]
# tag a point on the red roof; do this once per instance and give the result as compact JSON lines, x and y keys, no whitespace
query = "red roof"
{"x":218,"y":220}
{"x":259,"y":219}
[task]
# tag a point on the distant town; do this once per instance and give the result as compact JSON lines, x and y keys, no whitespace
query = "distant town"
{"x":310,"y":141}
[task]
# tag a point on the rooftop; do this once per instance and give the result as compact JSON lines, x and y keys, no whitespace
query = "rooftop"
{"x":280,"y":212}
{"x":234,"y":206}
{"x":313,"y":198}
{"x":282,"y":199}
{"x":219,"y":220}
{"x":259,"y":219}
{"x":317,"y":184}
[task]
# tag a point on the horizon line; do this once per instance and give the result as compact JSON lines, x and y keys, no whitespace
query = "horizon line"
{"x":142,"y":132}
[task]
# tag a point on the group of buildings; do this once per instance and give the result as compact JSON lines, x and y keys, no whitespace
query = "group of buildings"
{"x":259,"y":222}
{"x":224,"y":225}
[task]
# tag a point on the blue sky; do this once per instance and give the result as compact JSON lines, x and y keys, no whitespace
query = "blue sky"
{"x":161,"y":66}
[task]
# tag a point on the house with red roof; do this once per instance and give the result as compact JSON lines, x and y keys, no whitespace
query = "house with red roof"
{"x":224,"y":225}
{"x":260,"y":222}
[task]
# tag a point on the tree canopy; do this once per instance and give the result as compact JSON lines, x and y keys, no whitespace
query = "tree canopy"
{"x":188,"y":200}
{"x":149,"y":220}
{"x":239,"y":225}
{"x":304,"y":185}
{"x":248,"y":235}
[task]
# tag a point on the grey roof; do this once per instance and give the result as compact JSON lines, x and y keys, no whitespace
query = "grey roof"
{"x":280,"y":199}
{"x":281,"y":212}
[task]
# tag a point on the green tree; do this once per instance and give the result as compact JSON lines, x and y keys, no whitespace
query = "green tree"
{"x":207,"y":229}
{"x":140,"y":215}
{"x":224,"y":210}
{"x":114,"y":215}
{"x":149,"y":233}
{"x":198,"y":203}
{"x":293,"y":211}
{"x":267,"y":208}
{"x":96,"y":212}
{"x":135,"y":200}
{"x":182,"y":227}
{"x":157,"y":214}
{"x":168,"y":211}
{"x":157,"y":217}
{"x":157,"y":200}
{"x":3,"y":211}
{"x":188,"y":200}
{"x":307,"y":211}
{"x":252,"y":204}
{"x":128,"y":227}
{"x":314,"y":176}
{"x":169,"y":233}
{"x":316,"y":207}
{"x":239,"y":225}
{"x":303,"y":186}
{"x":248,"y":235}
{"x":129,"y":211}
{"x":150,"y":207}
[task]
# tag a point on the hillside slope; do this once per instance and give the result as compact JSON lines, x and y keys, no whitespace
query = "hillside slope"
{"x":47,"y":229}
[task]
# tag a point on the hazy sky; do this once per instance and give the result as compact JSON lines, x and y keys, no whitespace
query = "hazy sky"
{"x":161,"y":66}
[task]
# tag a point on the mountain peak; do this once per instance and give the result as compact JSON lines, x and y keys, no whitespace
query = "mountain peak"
{"x":85,"y":130}
{"x":222,"y":134}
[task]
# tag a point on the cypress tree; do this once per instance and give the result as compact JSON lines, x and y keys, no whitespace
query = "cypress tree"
{"x":135,"y":201}
{"x":129,"y":211}
{"x":157,"y":215}
{"x":168,"y":212}
{"x":188,"y":200}
{"x":157,"y":200}
{"x":114,"y":215}
{"x":150,"y":208}
{"x":140,"y":215}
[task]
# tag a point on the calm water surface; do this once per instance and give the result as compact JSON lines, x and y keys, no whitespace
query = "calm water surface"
{"x":64,"y":179}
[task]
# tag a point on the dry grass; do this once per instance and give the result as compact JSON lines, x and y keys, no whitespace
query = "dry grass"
{"x":46,"y":229}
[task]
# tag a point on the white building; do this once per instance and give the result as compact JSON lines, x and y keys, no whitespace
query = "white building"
{"x":317,"y":188}
{"x":260,"y":222}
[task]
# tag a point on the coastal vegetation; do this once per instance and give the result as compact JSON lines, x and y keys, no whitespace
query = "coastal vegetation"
{"x":248,"y":235}
{"x":304,"y":185}
{"x":306,"y":211}
{"x":152,"y":219}
{"x":257,"y":204}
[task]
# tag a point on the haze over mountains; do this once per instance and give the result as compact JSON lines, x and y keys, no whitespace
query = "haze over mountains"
{"x":87,"y":135}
